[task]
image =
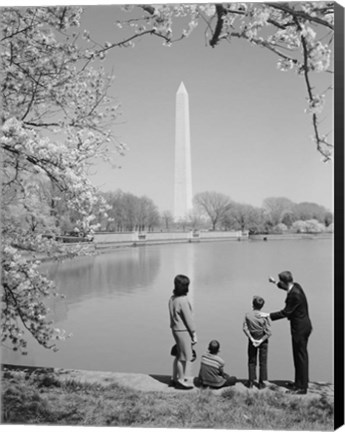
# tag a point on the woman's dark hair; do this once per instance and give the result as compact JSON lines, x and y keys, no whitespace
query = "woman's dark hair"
{"x":286,"y":277}
{"x":181,"y":283}
{"x":213,"y":347}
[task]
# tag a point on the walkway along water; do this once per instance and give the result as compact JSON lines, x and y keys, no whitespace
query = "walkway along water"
{"x":160,"y":383}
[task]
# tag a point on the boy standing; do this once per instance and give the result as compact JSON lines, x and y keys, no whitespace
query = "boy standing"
{"x":257,"y":330}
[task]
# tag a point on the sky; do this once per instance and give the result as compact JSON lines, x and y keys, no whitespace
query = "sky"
{"x":250,"y":136}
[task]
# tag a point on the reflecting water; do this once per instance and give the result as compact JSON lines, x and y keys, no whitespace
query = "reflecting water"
{"x":116,"y":305}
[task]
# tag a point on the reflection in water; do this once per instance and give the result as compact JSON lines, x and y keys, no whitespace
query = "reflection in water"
{"x":191,"y":275}
{"x":104,"y":275}
{"x":116,"y":305}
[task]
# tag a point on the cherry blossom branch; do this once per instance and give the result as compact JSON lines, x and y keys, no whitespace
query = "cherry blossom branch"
{"x":130,"y":39}
{"x":320,"y":142}
{"x":41,"y":125}
{"x":300,"y":14}
{"x":24,"y":319}
{"x":266,"y":45}
{"x":12,"y":35}
{"x":43,"y":163}
{"x":33,"y":96}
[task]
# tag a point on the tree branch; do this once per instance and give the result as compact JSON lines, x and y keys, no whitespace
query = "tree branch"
{"x":266,"y":45}
{"x":127,"y":41}
{"x":42,"y":164}
{"x":299,"y":14}
{"x":22,"y":317}
{"x":220,"y":11}
{"x":318,"y":139}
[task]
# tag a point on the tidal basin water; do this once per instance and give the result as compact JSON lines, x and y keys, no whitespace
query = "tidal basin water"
{"x":116,"y":305}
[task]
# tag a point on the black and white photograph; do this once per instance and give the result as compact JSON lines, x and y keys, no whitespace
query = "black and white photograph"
{"x":169,"y":210}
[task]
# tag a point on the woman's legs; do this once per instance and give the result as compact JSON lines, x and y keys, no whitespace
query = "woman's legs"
{"x":175,"y":374}
{"x":180,"y":369}
{"x":181,"y":366}
{"x":187,"y":369}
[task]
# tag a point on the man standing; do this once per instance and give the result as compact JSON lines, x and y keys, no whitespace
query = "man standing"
{"x":296,"y":310}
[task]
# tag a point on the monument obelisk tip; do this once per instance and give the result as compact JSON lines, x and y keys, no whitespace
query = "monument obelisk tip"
{"x":182,"y":88}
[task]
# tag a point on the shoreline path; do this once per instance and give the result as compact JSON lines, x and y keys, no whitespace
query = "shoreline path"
{"x":160,"y":383}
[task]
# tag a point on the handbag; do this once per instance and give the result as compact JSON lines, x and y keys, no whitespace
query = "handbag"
{"x":173,"y":352}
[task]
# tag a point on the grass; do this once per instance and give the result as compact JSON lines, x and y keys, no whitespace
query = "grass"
{"x":44,"y":399}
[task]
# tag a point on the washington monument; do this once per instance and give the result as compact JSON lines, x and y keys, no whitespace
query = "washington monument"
{"x":183,"y":199}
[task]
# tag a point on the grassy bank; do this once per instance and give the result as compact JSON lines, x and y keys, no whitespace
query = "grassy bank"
{"x":29,"y":398}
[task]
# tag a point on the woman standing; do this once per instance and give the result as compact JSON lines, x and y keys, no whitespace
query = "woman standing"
{"x":183,"y":330}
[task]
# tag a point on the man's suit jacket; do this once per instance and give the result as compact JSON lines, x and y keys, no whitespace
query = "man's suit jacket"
{"x":296,"y":310}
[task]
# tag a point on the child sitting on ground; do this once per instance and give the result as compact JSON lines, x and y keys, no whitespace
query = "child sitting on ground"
{"x":212,"y":369}
{"x":257,"y":330}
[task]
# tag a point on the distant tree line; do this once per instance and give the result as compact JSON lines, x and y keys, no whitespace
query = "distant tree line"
{"x":128,"y":212}
{"x":215,"y":211}
{"x":277,"y":215}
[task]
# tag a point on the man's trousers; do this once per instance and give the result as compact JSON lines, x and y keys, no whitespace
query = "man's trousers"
{"x":300,"y":359}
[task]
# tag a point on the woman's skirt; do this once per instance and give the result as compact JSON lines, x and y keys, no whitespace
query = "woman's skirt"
{"x":184,"y":345}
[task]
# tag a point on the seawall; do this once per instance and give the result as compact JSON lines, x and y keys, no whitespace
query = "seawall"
{"x":107,"y":240}
{"x":291,"y":236}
